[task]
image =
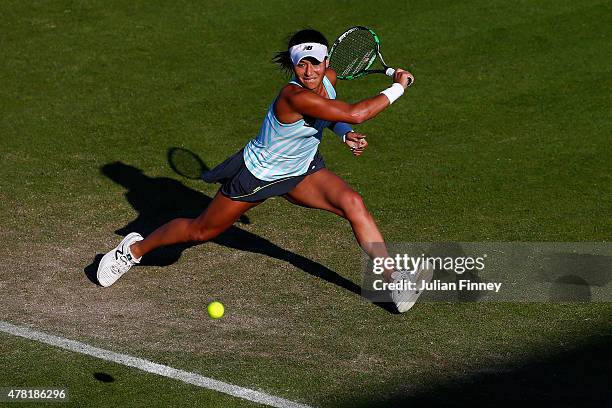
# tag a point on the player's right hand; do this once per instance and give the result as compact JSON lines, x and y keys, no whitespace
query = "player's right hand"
{"x":402,"y":77}
{"x":357,"y":142}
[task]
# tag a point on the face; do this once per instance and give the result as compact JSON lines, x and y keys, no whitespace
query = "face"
{"x":310,"y":72}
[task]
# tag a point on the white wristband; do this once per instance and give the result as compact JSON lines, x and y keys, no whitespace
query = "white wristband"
{"x":344,"y":135}
{"x":393,"y":92}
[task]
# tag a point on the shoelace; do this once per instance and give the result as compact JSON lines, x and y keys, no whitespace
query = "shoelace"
{"x":124,"y":259}
{"x":405,"y":275}
{"x":118,"y":268}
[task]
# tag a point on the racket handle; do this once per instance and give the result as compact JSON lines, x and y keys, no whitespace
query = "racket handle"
{"x":390,"y":72}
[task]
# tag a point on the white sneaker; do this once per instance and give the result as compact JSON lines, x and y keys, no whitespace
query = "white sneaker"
{"x":405,"y":299}
{"x":118,"y":261}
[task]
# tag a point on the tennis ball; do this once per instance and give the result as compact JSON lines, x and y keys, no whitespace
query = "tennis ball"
{"x":216,"y":310}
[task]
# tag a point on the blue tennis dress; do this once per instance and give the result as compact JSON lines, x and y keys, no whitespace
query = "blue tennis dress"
{"x":282,"y":150}
{"x":275,"y":161}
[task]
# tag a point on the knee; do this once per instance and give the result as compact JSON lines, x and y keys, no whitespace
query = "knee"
{"x":202,"y":233}
{"x":352,"y":205}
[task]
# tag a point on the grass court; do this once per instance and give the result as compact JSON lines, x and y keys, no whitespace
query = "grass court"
{"x":505,"y":136}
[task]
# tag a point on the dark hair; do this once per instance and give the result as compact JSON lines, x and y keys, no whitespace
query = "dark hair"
{"x":283,"y":59}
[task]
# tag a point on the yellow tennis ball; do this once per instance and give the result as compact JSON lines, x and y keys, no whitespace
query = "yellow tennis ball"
{"x":216,"y":310}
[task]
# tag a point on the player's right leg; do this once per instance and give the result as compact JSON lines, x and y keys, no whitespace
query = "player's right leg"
{"x":218,"y":216}
{"x":326,"y":191}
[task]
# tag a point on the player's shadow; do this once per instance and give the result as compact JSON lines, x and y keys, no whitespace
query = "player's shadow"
{"x":160,"y":199}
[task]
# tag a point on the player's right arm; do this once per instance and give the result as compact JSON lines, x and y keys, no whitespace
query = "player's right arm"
{"x":307,"y":103}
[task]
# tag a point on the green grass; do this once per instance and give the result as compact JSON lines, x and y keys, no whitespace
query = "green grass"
{"x":92,"y":382}
{"x":503,"y":137}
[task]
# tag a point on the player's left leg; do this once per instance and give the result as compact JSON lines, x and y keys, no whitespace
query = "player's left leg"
{"x":326,"y":191}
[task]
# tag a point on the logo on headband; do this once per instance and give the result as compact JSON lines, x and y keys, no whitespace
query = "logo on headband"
{"x":307,"y":48}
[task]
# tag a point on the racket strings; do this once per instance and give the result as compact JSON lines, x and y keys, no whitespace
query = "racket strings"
{"x":354,"y":53}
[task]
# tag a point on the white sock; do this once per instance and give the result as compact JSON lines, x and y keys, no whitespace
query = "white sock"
{"x":132,"y":257}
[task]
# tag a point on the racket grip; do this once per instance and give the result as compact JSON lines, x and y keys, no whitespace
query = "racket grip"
{"x":390,"y":72}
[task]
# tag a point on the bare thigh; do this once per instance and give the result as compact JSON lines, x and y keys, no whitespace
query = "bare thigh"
{"x":221,"y":213}
{"x":323,"y":190}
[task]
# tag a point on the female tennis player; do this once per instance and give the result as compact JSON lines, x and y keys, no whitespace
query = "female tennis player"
{"x":283,"y":160}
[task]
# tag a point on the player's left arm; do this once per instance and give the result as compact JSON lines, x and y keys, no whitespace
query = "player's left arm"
{"x":355,"y":141}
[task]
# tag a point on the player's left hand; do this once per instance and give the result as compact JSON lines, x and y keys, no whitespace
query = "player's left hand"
{"x":356,"y":142}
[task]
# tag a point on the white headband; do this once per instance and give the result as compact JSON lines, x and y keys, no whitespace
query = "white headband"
{"x":311,"y":49}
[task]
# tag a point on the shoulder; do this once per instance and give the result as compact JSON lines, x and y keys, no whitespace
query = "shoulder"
{"x":290,"y":91}
{"x":290,"y":97}
{"x":332,"y":76}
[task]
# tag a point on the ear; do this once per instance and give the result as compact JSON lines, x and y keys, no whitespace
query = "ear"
{"x":326,"y":63}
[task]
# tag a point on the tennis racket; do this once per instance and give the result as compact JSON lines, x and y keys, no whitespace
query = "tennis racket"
{"x":354,"y":52}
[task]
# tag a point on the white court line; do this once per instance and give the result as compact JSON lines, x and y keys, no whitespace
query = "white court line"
{"x":151,"y":367}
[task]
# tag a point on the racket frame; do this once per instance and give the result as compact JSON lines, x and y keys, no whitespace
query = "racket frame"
{"x":366,"y":71}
